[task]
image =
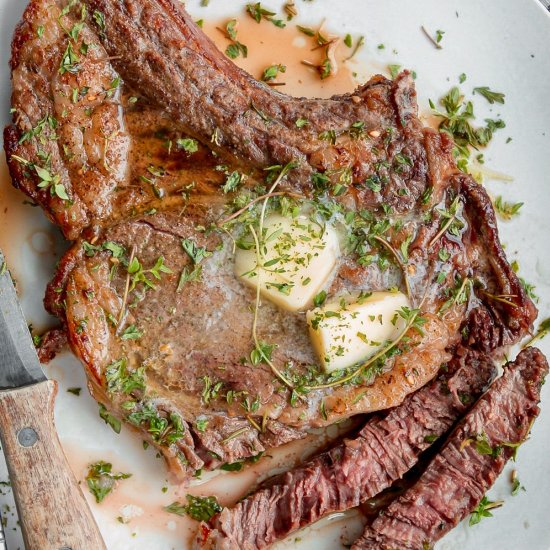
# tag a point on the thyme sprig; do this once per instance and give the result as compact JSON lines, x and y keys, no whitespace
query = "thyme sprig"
{"x":399,"y":261}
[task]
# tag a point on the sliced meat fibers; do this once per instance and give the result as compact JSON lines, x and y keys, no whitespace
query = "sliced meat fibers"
{"x":358,"y":469}
{"x":473,"y":457}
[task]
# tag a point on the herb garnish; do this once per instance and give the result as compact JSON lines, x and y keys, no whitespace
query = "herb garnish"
{"x":489,"y":95}
{"x":482,"y":510}
{"x":189,"y":145}
{"x":516,"y":485}
{"x":258,"y":12}
{"x":232,"y":181}
{"x":109,"y":419}
{"x":456,"y":122}
{"x":52,"y":182}
{"x":131,"y":333}
{"x":120,"y":379}
{"x":270,"y":73}
{"x":435,"y":41}
{"x":543,"y":330}
{"x":507,"y":210}
{"x":139,"y":275}
{"x":394,"y":70}
{"x":164,"y":430}
{"x":198,"y":508}
{"x":236,"y":48}
{"x":197,"y":255}
{"x":101,"y":480}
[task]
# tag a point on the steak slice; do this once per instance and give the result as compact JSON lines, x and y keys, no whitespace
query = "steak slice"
{"x":356,"y":470}
{"x":456,"y":480}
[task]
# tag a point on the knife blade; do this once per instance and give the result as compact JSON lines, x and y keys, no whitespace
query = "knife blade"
{"x":53,"y":511}
{"x":19,"y":365}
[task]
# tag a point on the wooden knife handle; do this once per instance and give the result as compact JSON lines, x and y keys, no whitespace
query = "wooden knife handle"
{"x":53,"y":512}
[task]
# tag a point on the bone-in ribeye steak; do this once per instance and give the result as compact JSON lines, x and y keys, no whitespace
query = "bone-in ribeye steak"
{"x":98,"y":140}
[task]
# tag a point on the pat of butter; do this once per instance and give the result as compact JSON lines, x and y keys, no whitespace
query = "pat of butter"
{"x":344,"y":334}
{"x":298,"y":257}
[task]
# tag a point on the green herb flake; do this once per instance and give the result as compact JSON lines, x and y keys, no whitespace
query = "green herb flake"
{"x":236,"y":49}
{"x":320,"y":298}
{"x":232,"y":181}
{"x":201,"y":424}
{"x":109,"y":419}
{"x":101,"y":480}
{"x":507,"y":210}
{"x":189,"y":145}
{"x":232,"y":466}
{"x":394,"y":70}
{"x":131,"y":333}
{"x":489,"y":95}
{"x":198,"y":508}
{"x":270,"y":73}
{"x":482,"y":510}
{"x":306,"y":30}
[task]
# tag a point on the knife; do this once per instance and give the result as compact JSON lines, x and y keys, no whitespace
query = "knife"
{"x":52,"y":510}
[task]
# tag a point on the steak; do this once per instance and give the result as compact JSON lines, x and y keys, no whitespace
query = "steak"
{"x":166,"y":339}
{"x":456,"y":480}
{"x":100,"y":138}
{"x":356,"y":470}
{"x":163,"y":53}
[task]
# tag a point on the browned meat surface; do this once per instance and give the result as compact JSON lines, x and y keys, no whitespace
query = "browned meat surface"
{"x":460,"y":475}
{"x":171,"y":355}
{"x":76,"y":122}
{"x":164,"y":54}
{"x":385,"y":449}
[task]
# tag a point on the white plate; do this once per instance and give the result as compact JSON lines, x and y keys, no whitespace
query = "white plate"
{"x":503,"y":44}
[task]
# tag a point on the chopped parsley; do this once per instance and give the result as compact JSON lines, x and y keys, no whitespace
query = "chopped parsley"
{"x":198,"y":508}
{"x":101,"y":480}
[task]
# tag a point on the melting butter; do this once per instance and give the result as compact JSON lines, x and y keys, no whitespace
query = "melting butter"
{"x":344,"y":333}
{"x":297,"y":257}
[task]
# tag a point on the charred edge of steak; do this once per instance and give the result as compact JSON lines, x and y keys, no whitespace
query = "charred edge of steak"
{"x":52,"y":343}
{"x":456,"y":480}
{"x":498,"y":324}
{"x":70,"y":218}
{"x":356,"y":470}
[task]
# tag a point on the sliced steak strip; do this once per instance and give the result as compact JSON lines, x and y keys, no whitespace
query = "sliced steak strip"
{"x":456,"y":480}
{"x":356,"y":470}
